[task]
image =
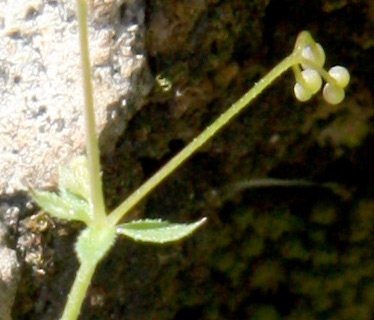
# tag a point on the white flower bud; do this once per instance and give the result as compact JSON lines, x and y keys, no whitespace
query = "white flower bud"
{"x":301,"y":93}
{"x":316,"y":55}
{"x":341,"y":75}
{"x":333,"y":94}
{"x":313,"y":80}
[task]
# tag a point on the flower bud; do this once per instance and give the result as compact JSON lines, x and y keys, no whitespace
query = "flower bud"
{"x":315,"y":54}
{"x":341,"y":75}
{"x":333,"y":94}
{"x":313,"y":80}
{"x":301,"y":93}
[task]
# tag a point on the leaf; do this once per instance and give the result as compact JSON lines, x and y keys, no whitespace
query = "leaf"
{"x":75,"y":177}
{"x":64,"y":206}
{"x":157,"y":231}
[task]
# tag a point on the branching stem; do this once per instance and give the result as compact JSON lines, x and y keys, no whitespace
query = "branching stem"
{"x":196,"y":143}
{"x":99,"y":236}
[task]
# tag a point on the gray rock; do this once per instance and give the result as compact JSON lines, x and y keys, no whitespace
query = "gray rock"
{"x":41,"y":97}
{"x":9,"y":265}
{"x":41,"y":122}
{"x":9,"y":273}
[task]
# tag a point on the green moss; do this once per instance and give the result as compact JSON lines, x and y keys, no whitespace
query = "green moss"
{"x":323,"y":214}
{"x":294,"y":249}
{"x":335,"y":283}
{"x":271,"y":225}
{"x":243,"y":220}
{"x":305,"y":283}
{"x":253,"y":246}
{"x":347,"y":131}
{"x":265,"y":312}
{"x":352,"y":257}
{"x":225,"y":261}
{"x":324,"y":258}
{"x":300,"y":315}
{"x":368,"y":293}
{"x":267,"y":276}
{"x":363,"y":226}
{"x":355,"y":312}
{"x":344,"y":126}
{"x":317,"y":236}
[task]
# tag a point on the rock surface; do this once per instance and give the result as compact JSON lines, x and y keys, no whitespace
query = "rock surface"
{"x":41,"y":120}
{"x":9,"y":264}
{"x":41,"y":97}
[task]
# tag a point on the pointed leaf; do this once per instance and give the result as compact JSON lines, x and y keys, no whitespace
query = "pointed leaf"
{"x":157,"y":231}
{"x":75,"y":177}
{"x":66,"y":206}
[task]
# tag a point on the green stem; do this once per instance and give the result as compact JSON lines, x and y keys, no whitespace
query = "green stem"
{"x":196,"y":143}
{"x":78,"y":291}
{"x":97,"y":198}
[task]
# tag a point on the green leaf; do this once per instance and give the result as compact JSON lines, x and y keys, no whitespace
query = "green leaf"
{"x":157,"y":231}
{"x":75,"y":177}
{"x":64,"y":206}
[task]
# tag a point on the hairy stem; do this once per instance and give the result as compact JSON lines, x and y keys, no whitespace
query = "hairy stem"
{"x":97,"y":198}
{"x":196,"y":143}
{"x":78,"y":291}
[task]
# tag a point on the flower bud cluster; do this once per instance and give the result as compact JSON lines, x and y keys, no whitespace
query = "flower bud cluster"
{"x":310,"y":73}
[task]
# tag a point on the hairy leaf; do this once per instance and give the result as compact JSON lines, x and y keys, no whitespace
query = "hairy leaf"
{"x":157,"y":231}
{"x":64,"y":206}
{"x":75,"y":177}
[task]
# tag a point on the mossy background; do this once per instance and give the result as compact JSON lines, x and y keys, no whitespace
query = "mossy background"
{"x":265,"y":253}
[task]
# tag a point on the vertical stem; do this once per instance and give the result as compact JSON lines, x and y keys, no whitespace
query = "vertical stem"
{"x":196,"y":143}
{"x":97,"y":198}
{"x":78,"y":291}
